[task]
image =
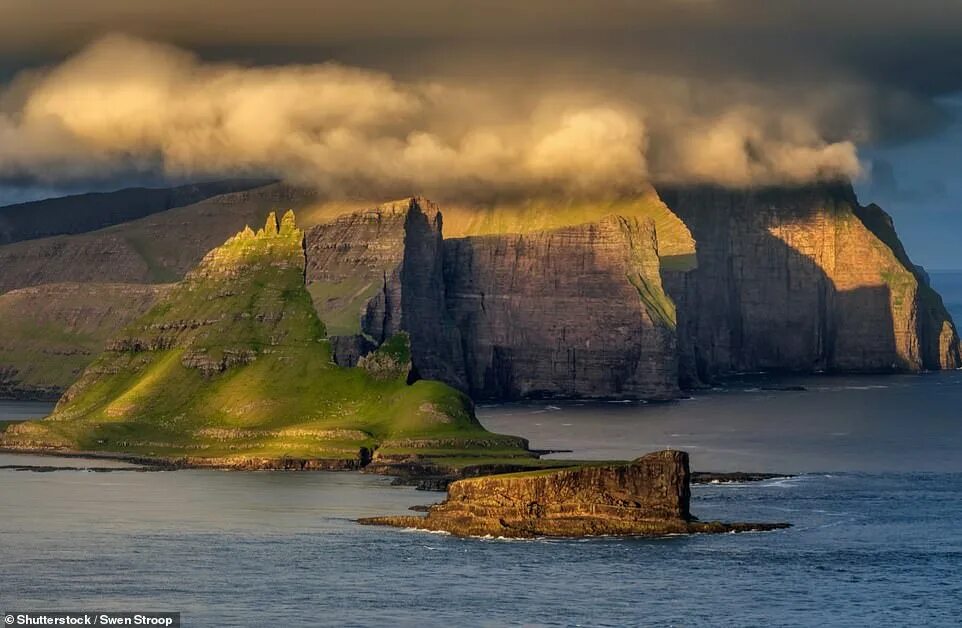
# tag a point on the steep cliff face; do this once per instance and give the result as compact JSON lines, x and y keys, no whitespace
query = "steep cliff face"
{"x":800,"y":279}
{"x":649,"y":496}
{"x":575,"y":311}
{"x":375,"y":273}
{"x":939,"y":343}
{"x":232,"y":368}
{"x":353,"y":271}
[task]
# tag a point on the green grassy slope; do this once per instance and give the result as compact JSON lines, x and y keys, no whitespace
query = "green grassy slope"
{"x":234,"y":364}
{"x":50,"y":333}
{"x":676,"y":248}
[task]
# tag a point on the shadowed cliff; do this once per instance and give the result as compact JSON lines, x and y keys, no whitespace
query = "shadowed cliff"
{"x":794,"y":279}
{"x":548,"y":297}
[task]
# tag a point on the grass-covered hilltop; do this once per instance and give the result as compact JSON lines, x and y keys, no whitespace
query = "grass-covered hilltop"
{"x":232,"y":367}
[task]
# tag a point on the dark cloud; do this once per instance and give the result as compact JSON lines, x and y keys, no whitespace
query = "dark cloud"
{"x":915,"y":46}
{"x":723,"y":90}
{"x":909,"y":52}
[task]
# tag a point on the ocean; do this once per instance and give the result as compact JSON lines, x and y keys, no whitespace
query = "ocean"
{"x":875,"y":501}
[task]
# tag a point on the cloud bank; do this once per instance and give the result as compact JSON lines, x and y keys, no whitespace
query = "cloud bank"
{"x":124,"y":103}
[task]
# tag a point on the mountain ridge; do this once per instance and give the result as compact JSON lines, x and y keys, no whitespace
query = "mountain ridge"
{"x":232,"y":368}
{"x":797,"y":279}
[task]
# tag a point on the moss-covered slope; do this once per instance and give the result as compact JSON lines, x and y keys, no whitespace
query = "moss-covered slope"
{"x":50,"y":333}
{"x":233,"y":367}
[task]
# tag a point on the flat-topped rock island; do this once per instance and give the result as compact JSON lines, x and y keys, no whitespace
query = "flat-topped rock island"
{"x":649,"y":496}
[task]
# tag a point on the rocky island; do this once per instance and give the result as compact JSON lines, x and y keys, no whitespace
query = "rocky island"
{"x":647,"y":497}
{"x":233,"y":368}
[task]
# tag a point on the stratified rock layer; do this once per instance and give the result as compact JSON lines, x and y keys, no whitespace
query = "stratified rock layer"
{"x":232,"y":368}
{"x":649,"y":496}
{"x":375,"y":273}
{"x":801,"y":279}
{"x":575,"y":312}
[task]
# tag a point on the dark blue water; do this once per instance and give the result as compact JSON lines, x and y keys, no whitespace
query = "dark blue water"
{"x":869,"y":546}
{"x":274,"y":549}
{"x":877,"y":538}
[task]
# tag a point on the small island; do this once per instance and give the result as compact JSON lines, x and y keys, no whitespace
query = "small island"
{"x":649,"y":496}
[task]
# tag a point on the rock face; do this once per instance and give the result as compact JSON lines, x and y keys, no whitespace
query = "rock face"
{"x":373,"y":274}
{"x":572,"y":312}
{"x":353,"y":271}
{"x":232,"y":368}
{"x":649,"y":496}
{"x":800,"y":279}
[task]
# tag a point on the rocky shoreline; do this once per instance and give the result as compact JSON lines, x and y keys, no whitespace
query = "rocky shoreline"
{"x":423,"y":475}
{"x":647,"y":497}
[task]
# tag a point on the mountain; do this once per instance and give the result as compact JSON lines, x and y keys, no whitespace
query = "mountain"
{"x":621,"y":297}
{"x":50,"y":333}
{"x":86,"y":212}
{"x":801,"y":279}
{"x":231,"y":367}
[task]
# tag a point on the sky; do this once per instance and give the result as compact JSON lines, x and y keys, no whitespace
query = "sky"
{"x":458,"y":98}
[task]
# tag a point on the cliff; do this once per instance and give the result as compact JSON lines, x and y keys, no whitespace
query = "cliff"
{"x":575,"y":311}
{"x":571,"y":312}
{"x":649,"y":496}
{"x":232,"y":368}
{"x":378,"y":272}
{"x":561,"y":297}
{"x":800,"y":279}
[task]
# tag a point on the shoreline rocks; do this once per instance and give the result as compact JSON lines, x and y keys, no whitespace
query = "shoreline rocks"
{"x":648,"y":497}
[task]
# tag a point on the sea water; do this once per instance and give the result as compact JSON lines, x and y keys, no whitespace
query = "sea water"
{"x":876,"y":537}
{"x":875,"y":503}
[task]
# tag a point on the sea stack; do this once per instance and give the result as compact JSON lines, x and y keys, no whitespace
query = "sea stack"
{"x":646,"y":497}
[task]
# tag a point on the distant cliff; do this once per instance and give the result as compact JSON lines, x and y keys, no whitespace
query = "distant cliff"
{"x":625,"y":298}
{"x":801,"y":279}
{"x":570,"y":312}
